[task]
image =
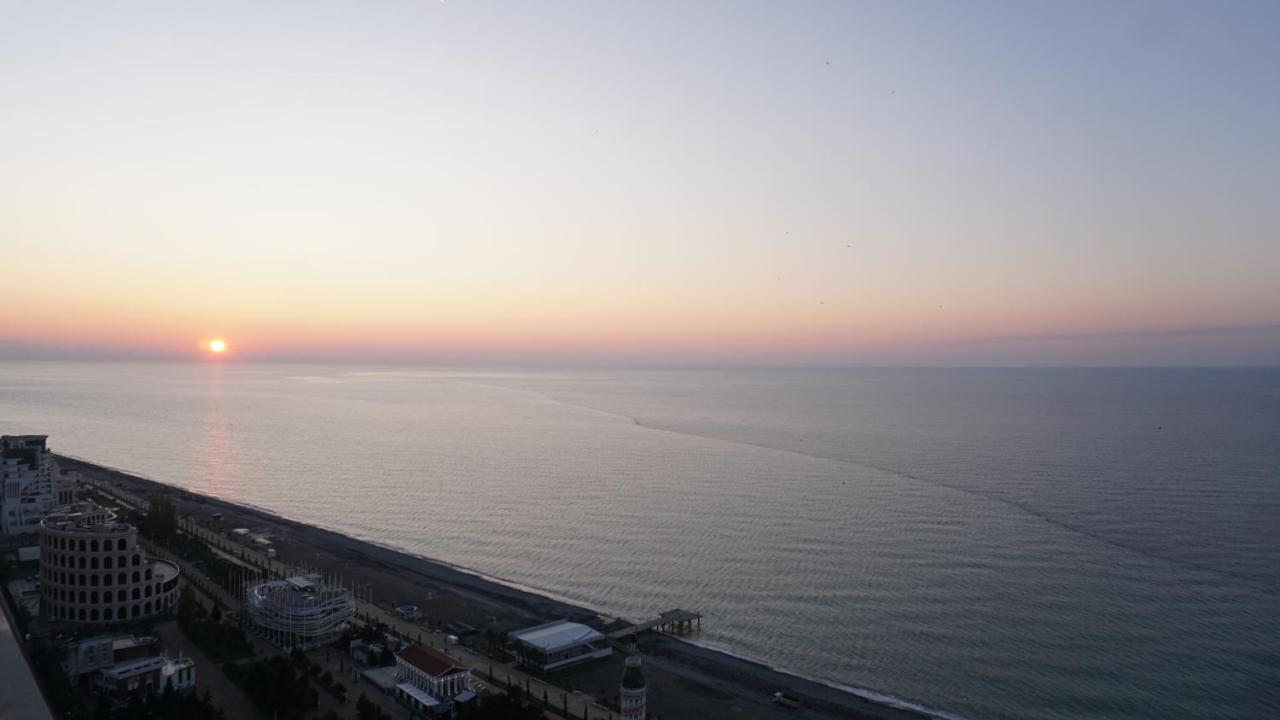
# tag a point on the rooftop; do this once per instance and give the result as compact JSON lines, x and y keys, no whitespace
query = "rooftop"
{"x":83,"y":516}
{"x":164,"y":569}
{"x":557,"y":635}
{"x":429,"y":660}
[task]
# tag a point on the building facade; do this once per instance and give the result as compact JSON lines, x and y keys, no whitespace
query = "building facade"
{"x":558,"y":644}
{"x":299,"y":612}
{"x":88,"y":655}
{"x":94,"y":573}
{"x":30,"y":484}
{"x":148,"y":674}
{"x":632,"y":693}
{"x":430,"y":682}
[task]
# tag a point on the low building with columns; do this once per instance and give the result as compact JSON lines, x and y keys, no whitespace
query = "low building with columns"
{"x":93,"y":572}
{"x":430,"y":682}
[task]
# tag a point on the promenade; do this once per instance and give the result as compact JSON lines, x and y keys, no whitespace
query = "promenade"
{"x":685,"y":680}
{"x":497,"y":673}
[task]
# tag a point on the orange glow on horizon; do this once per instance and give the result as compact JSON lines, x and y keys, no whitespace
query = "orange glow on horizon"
{"x":217,"y":346}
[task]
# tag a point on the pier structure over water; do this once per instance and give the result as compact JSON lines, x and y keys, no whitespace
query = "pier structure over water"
{"x":675,"y":622}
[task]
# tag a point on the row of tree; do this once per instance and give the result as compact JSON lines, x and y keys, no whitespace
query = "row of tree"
{"x":167,"y":705}
{"x":275,"y":686}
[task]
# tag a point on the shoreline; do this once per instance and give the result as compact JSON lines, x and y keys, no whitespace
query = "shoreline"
{"x":688,"y":678}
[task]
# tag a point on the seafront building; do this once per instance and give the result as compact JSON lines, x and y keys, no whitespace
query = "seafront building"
{"x":299,"y":612}
{"x":558,"y":644}
{"x":632,"y":692}
{"x":93,"y":572}
{"x":30,"y":484}
{"x":430,"y":682}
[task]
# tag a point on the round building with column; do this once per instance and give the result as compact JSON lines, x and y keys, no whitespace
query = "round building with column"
{"x":94,"y":573}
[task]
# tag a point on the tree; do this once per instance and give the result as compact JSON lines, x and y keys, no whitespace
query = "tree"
{"x":186,"y":606}
{"x":162,"y":517}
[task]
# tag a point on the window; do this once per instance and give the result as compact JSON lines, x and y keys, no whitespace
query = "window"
{"x":93,"y":546}
{"x":120,"y":546}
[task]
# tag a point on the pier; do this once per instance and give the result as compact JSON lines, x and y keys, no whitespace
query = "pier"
{"x":676,"y":622}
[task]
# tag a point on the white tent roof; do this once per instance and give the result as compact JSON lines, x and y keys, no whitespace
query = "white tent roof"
{"x":556,"y":635}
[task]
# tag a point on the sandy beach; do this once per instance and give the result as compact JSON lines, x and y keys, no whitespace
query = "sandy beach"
{"x":685,"y":679}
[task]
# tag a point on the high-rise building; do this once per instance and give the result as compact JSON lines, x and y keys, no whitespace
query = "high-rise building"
{"x":30,"y":484}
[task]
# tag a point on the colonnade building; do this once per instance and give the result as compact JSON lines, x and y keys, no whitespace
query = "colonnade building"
{"x":93,"y":572}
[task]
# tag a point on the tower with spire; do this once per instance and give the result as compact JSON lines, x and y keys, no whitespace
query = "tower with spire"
{"x":632,"y":691}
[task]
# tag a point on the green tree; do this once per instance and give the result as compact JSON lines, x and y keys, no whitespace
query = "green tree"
{"x":186,"y":606}
{"x":162,"y":517}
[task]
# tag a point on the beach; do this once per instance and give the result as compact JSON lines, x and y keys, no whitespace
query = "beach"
{"x":685,"y":680}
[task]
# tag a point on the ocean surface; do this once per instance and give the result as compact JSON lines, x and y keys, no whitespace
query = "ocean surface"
{"x":1094,"y":543}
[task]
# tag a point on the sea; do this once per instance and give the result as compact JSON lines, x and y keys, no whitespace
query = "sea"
{"x":983,"y":543}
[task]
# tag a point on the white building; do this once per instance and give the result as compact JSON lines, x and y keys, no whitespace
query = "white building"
{"x":126,"y":663}
{"x":30,"y":484}
{"x":300,"y":612}
{"x":148,"y":674}
{"x":429,"y":681}
{"x":632,"y":691}
{"x":558,"y":644}
{"x":98,"y":652}
{"x":93,"y":572}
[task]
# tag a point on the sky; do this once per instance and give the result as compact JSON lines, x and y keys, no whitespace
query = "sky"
{"x":739,"y":182}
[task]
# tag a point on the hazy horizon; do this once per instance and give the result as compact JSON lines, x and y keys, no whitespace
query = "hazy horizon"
{"x":1194,"y":349}
{"x":741,"y":183}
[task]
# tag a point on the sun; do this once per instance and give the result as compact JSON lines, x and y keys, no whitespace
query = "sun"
{"x":217,"y":345}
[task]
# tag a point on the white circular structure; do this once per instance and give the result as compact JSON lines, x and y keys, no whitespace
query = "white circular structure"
{"x":92,"y":571}
{"x":300,"y":612}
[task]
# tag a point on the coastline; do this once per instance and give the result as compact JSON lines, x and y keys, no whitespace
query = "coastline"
{"x":688,"y":679}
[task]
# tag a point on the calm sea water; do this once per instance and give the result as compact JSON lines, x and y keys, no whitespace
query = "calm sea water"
{"x":989,"y":543}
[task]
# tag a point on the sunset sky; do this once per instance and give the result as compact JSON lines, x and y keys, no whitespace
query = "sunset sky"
{"x":772,"y":182}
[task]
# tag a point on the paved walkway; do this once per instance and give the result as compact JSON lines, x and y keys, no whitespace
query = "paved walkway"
{"x":578,"y":705}
{"x":209,"y":675}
